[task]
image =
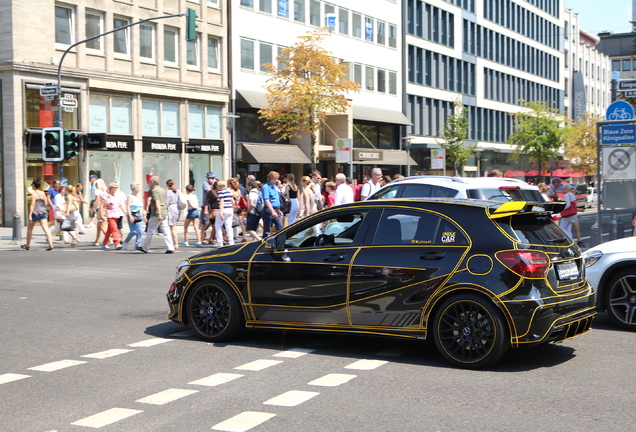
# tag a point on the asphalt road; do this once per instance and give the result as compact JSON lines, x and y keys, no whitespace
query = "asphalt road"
{"x":85,"y":345}
{"x":588,"y":218}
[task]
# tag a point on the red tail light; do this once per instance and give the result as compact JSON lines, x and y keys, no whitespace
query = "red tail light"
{"x":525,"y":263}
{"x":509,"y":187}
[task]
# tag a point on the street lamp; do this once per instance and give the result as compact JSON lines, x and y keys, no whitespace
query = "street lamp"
{"x":478,"y":157}
{"x":231,"y":128}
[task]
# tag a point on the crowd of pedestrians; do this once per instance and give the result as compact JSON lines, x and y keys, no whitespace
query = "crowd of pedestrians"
{"x":224,"y":213}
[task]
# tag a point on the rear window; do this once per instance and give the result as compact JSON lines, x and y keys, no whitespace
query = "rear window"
{"x":506,"y":194}
{"x":535,"y":228}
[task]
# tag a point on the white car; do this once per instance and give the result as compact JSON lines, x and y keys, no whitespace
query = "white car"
{"x":490,"y":188}
{"x":611,"y":270}
{"x":592,"y":197}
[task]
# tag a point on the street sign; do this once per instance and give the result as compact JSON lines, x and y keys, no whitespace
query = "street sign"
{"x":66,"y":102}
{"x":343,"y":150}
{"x":619,"y":110}
{"x":629,"y":93}
{"x":438,"y":159}
{"x":626,"y":84}
{"x":619,"y":163}
{"x":44,"y":91}
{"x":618,"y":134}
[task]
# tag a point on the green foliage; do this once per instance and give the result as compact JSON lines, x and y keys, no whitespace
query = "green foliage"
{"x":455,"y":132}
{"x":539,"y":132}
{"x":310,"y":85}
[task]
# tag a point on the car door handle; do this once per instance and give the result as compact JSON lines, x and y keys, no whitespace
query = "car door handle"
{"x":432,"y":255}
{"x":335,"y":257}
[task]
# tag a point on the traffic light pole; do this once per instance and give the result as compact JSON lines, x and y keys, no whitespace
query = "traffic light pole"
{"x":58,"y":121}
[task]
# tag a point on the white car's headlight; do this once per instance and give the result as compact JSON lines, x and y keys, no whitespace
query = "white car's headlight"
{"x":181,"y":268}
{"x":591,"y":257}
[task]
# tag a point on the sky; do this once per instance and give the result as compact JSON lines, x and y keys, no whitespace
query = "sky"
{"x":596,"y":16}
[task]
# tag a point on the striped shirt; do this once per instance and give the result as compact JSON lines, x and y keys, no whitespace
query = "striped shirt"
{"x":228,"y":200}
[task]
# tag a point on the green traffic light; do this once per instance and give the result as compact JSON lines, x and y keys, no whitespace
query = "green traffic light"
{"x":52,"y":145}
{"x":71,"y":144}
{"x":191,"y":25}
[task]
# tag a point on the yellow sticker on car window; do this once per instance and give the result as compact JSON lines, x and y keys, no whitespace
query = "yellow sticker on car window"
{"x":448,"y":237}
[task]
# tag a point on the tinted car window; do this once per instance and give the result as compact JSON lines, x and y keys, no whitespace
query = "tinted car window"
{"x":505,"y":194}
{"x":532,"y":228}
{"x":335,"y":230}
{"x":442,"y":192}
{"x":415,"y":191}
{"x":399,"y":227}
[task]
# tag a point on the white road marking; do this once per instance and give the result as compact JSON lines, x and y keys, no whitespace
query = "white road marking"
{"x":291,"y":398}
{"x":52,"y":367}
{"x":149,"y":342}
{"x":107,"y":417}
{"x":393,"y":352}
{"x":10,"y":377}
{"x":244,"y":421}
{"x":166,"y":396}
{"x":332,"y":380}
{"x":216,"y":379}
{"x":294,"y":353}
{"x":366,"y":364}
{"x":106,"y":354}
{"x":258,"y":365}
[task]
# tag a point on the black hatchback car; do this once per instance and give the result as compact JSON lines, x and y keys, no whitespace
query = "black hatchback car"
{"x":476,"y":277}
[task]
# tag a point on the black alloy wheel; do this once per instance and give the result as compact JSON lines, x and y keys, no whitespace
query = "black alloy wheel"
{"x":620,"y":299}
{"x":215,"y":312}
{"x":469,"y":332}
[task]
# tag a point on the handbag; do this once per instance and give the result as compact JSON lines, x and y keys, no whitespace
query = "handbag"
{"x":137,"y":217}
{"x":68,"y":225}
{"x":570,"y":211}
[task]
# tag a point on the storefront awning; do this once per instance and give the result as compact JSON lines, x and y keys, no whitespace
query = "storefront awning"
{"x":274,"y":153}
{"x":251,"y":99}
{"x":396,"y":157}
{"x":380,"y":115}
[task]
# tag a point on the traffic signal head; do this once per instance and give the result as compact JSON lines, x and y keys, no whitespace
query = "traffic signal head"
{"x":71,"y":144}
{"x":52,"y":144}
{"x":191,"y":25}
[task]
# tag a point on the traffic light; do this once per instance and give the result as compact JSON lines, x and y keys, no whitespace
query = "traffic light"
{"x":191,"y":25}
{"x":52,"y":144}
{"x":71,"y":144}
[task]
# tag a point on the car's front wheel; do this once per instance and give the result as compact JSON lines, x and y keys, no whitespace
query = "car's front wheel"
{"x":469,"y":331}
{"x":620,"y":299}
{"x":215,"y":311}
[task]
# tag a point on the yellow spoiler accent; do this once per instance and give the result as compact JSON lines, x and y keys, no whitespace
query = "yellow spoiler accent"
{"x":508,"y":209}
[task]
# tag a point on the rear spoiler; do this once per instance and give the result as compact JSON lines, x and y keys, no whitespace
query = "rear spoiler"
{"x":513,"y":207}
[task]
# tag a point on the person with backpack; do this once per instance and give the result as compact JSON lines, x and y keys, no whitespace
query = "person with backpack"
{"x":254,"y":210}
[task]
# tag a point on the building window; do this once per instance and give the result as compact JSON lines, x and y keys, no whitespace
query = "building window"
{"x":150,"y":118}
{"x":110,"y":114}
{"x":121,"y":37}
{"x":627,"y":65}
{"x":381,"y":80}
{"x":213,"y":2}
{"x":192,"y":52}
{"x":94,"y":27}
{"x":314,"y":13}
{"x":368,"y":29}
{"x":357,"y":73}
{"x":159,"y":118}
{"x":170,"y":45}
{"x":616,"y":65}
{"x":392,"y":36}
{"x":247,"y":54}
{"x":343,"y":21}
{"x":299,"y":10}
{"x":204,"y":122}
{"x":392,"y":83}
{"x":356,"y":21}
{"x":368,"y":78}
{"x":63,"y":26}
{"x":213,"y":53}
{"x":265,"y":56}
{"x":146,"y":41}
{"x":381,"y":35}
{"x":248,"y":3}
{"x":170,"y":119}
{"x":282,"y":60}
{"x":283,"y":8}
{"x":265,"y":6}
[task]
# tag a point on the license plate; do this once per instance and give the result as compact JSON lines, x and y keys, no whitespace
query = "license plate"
{"x":567,"y":270}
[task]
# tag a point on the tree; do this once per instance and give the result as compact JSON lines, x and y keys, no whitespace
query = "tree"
{"x":538,"y":133}
{"x":310,"y":85}
{"x":580,"y":144}
{"x":455,"y":132}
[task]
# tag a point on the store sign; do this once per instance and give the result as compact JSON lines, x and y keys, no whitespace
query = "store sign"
{"x":327,"y":156}
{"x":367,"y":155}
{"x":162,"y":145}
{"x":205,"y":146}
{"x":102,"y":141}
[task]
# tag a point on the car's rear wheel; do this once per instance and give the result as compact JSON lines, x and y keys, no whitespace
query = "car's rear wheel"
{"x":469,"y":331}
{"x":215,"y":311}
{"x":620,"y":299}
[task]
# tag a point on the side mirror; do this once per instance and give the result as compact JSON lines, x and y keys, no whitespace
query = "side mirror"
{"x":270,"y":244}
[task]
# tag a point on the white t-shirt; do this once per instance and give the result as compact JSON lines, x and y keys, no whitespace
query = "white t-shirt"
{"x":193,"y":201}
{"x":369,"y":188}
{"x":344,"y":194}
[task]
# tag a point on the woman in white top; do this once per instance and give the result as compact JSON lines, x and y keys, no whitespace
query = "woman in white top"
{"x":100,"y":212}
{"x":174,"y":212}
{"x":291,"y":190}
{"x":192,"y":216}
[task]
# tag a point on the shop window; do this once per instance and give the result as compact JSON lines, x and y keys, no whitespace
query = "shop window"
{"x":170,"y":119}
{"x":150,"y":117}
{"x":39,"y":112}
{"x":94,"y":27}
{"x":64,"y":26}
{"x":382,"y":136}
{"x":121,"y":38}
{"x":204,"y":121}
{"x":98,"y":114}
